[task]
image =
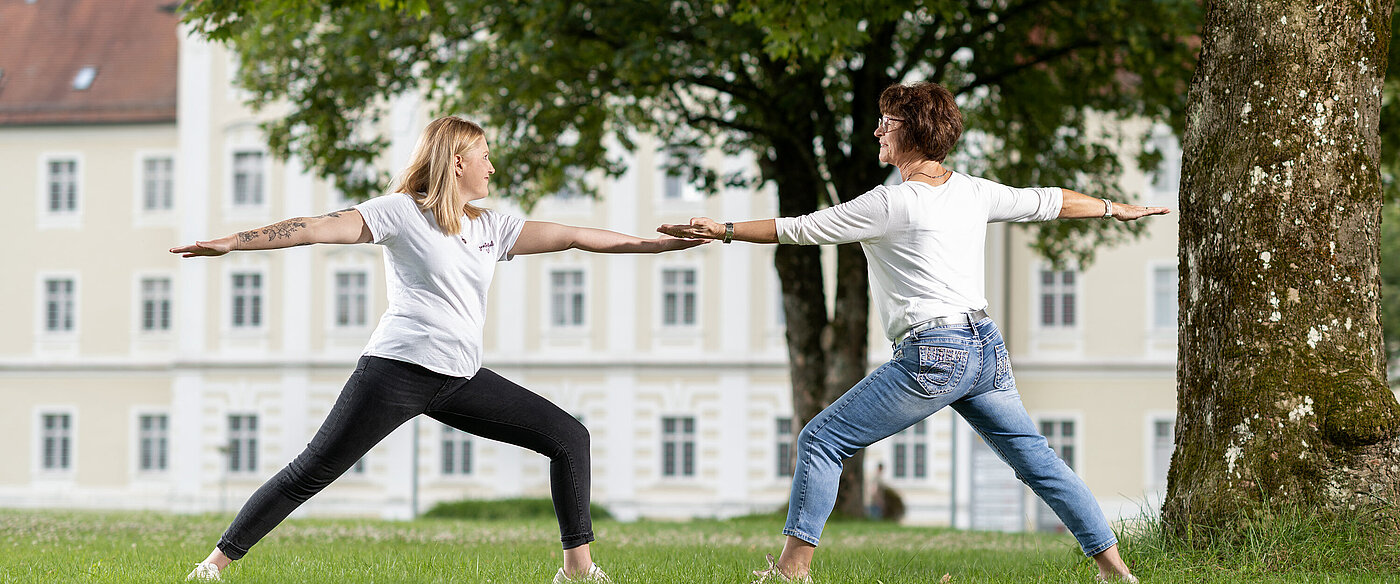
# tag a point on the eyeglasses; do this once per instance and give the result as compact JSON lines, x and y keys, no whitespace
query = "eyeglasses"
{"x":884,"y":124}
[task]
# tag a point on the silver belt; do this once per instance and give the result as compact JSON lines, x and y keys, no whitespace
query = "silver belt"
{"x":937,"y":321}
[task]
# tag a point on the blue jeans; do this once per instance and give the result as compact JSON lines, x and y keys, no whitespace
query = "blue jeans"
{"x":964,"y":365}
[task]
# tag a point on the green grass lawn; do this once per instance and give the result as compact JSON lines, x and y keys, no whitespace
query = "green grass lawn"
{"x":72,"y":546}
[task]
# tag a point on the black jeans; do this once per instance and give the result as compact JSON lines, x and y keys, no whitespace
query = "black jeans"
{"x":380,"y":396}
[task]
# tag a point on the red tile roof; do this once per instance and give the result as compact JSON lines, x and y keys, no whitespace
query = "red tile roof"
{"x":132,"y":44}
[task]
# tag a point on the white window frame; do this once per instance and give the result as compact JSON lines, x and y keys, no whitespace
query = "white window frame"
{"x":228,"y":322}
{"x":47,"y":219}
{"x":581,"y":291}
{"x":38,"y":469}
{"x":690,"y":196}
{"x":662,"y":291}
{"x":1152,"y":326}
{"x":42,"y":331}
{"x":137,"y":437}
{"x":157,"y":216}
{"x":1076,"y":464}
{"x":333,"y":286}
{"x":1149,"y":449}
{"x":246,"y":138}
{"x":462,"y":439}
{"x":679,"y":438}
{"x":912,"y":440}
{"x":260,"y":165}
{"x":784,"y":462}
{"x":1162,"y":139}
{"x":138,"y":320}
{"x":256,"y":439}
{"x":1055,"y":341}
{"x":1059,"y":292}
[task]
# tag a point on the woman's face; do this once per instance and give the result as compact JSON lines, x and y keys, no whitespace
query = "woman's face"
{"x":473,"y":169}
{"x":885,"y":132}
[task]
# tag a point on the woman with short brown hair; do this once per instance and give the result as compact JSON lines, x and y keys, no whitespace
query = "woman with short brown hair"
{"x":924,"y":239}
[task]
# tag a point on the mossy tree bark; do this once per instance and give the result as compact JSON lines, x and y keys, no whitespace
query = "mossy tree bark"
{"x":1282,"y":395}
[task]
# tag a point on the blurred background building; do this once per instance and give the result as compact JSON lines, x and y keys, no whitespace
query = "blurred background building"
{"x":133,"y":379}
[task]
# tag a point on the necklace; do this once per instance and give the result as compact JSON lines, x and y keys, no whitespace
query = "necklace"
{"x":946,"y":172}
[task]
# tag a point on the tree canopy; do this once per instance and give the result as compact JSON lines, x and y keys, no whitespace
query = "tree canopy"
{"x":554,"y":79}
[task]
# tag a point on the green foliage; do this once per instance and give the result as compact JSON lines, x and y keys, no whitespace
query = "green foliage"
{"x":794,"y":83}
{"x":484,"y":509}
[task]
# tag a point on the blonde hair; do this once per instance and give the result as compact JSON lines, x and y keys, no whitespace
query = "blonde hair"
{"x":429,"y":178}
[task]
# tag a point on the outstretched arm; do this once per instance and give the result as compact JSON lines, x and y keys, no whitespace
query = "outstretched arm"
{"x":345,"y":226}
{"x":545,"y":237}
{"x":1082,"y":206}
{"x":760,"y":231}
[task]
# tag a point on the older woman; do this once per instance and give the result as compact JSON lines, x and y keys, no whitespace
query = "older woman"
{"x":424,"y":357}
{"x":924,"y":240}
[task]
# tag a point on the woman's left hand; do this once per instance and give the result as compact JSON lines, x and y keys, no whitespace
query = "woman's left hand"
{"x":1126,"y":212}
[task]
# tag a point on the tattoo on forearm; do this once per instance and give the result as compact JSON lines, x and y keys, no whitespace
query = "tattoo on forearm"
{"x":247,"y":236}
{"x":283,"y":230}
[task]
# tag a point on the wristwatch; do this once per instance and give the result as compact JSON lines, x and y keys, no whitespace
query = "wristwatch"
{"x":728,"y":232}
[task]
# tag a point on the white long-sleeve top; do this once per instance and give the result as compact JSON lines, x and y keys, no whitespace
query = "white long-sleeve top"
{"x":925,"y":244}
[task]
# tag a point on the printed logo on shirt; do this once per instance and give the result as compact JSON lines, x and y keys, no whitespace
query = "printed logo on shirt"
{"x":488,"y":246}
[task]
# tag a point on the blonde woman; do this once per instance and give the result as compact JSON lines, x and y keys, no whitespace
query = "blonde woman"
{"x":424,"y":356}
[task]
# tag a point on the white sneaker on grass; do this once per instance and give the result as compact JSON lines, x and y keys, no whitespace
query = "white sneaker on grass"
{"x":595,"y":575}
{"x":205,"y":572}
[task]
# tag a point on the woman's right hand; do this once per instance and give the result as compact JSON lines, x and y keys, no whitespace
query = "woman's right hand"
{"x":699,"y":228}
{"x":214,"y":248}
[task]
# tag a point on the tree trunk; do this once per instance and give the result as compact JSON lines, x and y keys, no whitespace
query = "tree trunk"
{"x":1282,"y":397}
{"x":848,"y":346}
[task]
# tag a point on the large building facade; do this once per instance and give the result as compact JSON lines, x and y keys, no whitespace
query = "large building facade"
{"x":135,"y":379}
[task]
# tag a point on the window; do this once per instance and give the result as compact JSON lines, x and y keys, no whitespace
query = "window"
{"x":784,"y":448}
{"x":456,"y":452}
{"x":678,"y":297}
{"x":1165,"y":181}
{"x":247,"y":300}
{"x":351,"y":298}
{"x":57,"y":442}
{"x":155,"y":304}
{"x":673,"y":186}
{"x":242,"y":443}
{"x":1163,"y":443}
{"x":1060,"y":434}
{"x":911,"y":452}
{"x":1057,"y":298}
{"x":247,"y":179}
{"x":566,"y":298}
{"x":1164,"y":305}
{"x":157,"y":183}
{"x":154,"y":439}
{"x":62,"y":186}
{"x":678,"y":446}
{"x":59,"y":305}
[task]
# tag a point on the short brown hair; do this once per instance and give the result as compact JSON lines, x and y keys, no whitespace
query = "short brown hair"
{"x":932,"y":122}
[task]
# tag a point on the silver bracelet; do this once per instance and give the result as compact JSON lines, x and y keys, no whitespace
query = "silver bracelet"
{"x":1107,"y":209}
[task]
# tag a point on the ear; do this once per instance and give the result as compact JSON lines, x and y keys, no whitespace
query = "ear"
{"x":458,"y":164}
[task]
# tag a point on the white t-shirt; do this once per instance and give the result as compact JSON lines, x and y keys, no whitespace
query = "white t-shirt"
{"x":925,"y":244}
{"x":437,"y":283}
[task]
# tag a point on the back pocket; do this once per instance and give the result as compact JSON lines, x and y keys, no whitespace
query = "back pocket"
{"x":940,"y":368}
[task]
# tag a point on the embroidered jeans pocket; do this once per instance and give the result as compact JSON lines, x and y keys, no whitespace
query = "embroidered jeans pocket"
{"x":1004,"y":377}
{"x":940,"y":368}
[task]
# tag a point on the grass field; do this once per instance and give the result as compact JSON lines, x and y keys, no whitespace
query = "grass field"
{"x":71,"y":546}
